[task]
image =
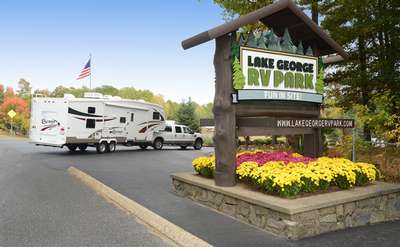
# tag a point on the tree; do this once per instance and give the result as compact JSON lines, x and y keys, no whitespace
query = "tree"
{"x":9,"y":92}
{"x":24,"y":89}
{"x":44,"y":92}
{"x":204,"y":111}
{"x":107,"y":90}
{"x":369,"y":32}
{"x":186,"y":115}
{"x":1,"y":93}
{"x":233,"y":8}
{"x":313,"y":5}
{"x":21,"y":120}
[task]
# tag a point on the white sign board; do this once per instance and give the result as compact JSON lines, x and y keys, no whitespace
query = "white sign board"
{"x":279,"y":71}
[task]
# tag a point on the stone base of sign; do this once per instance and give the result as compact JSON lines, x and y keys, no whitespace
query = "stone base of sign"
{"x":294,"y":218}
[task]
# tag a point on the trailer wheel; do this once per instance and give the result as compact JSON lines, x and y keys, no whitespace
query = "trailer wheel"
{"x":112,"y":147}
{"x":82,"y":147}
{"x":143,"y":146}
{"x":198,"y":144}
{"x":71,"y":147}
{"x":101,"y":147}
{"x":158,"y":144}
{"x":183,"y":147}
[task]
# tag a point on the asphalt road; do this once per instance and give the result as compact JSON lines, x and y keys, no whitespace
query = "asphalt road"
{"x":143,"y":175}
{"x":42,"y":205}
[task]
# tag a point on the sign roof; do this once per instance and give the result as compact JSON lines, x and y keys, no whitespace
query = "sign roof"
{"x":279,"y":15}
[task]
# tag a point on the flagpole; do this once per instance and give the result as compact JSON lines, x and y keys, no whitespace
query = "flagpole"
{"x":90,"y":78}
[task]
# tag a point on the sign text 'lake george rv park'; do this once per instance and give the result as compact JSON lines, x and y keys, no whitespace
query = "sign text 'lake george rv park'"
{"x":272,"y":75}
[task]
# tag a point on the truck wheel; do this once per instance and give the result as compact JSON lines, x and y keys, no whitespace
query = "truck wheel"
{"x":158,"y":144}
{"x":82,"y":147}
{"x":112,"y":147}
{"x":198,"y":144}
{"x":143,"y":146}
{"x":71,"y":148}
{"x":101,"y":147}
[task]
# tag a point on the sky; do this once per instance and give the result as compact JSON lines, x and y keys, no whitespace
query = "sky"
{"x":133,"y":44}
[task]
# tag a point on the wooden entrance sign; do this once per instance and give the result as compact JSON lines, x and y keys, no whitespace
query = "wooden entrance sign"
{"x":257,"y":79}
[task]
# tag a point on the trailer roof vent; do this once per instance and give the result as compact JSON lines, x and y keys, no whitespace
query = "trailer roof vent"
{"x":93,"y":95}
{"x":69,"y":96}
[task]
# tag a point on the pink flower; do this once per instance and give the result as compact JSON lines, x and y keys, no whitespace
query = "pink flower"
{"x":263,"y":157}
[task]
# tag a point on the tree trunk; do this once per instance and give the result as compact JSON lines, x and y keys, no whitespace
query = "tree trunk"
{"x":314,"y":11}
{"x":365,"y":92}
{"x":224,"y":115}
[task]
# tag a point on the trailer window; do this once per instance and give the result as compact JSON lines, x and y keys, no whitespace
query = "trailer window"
{"x":168,"y":129}
{"x":156,"y":115}
{"x":90,"y":123}
{"x":91,"y":109}
{"x":132,"y":117}
{"x":178,"y":129}
{"x":122,"y":120}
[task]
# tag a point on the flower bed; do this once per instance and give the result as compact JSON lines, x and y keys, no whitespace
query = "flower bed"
{"x":287,"y":174}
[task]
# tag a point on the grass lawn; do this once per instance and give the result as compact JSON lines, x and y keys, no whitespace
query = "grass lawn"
{"x":7,"y":136}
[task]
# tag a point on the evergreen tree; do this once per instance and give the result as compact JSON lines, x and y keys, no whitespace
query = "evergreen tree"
{"x":369,"y":31}
{"x":186,"y":115}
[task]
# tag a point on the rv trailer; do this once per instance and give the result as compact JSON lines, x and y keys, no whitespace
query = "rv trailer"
{"x":96,"y":120}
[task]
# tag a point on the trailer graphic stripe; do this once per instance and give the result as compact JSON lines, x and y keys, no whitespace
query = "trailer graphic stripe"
{"x":79,"y":113}
{"x":147,"y":122}
{"x":142,"y":130}
{"x":49,"y":127}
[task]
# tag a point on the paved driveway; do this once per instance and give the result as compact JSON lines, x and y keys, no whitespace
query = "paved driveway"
{"x":41,"y":205}
{"x":143,"y":175}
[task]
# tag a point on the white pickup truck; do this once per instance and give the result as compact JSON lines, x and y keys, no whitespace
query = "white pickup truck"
{"x":176,"y":135}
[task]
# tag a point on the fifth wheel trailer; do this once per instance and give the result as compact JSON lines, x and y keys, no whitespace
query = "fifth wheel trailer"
{"x":94,"y":120}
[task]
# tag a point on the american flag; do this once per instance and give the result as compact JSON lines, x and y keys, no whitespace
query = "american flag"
{"x":85,"y":71}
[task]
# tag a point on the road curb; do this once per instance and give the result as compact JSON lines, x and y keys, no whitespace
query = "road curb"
{"x":171,"y":231}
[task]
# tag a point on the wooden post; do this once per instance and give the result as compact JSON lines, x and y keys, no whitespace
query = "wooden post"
{"x":224,"y":114}
{"x":313,"y":144}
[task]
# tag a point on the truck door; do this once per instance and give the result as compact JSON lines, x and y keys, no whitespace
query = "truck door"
{"x":187,"y":135}
{"x":179,"y":134}
{"x":168,"y":134}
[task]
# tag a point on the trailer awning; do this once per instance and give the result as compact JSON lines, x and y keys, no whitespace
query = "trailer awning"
{"x":127,"y":106}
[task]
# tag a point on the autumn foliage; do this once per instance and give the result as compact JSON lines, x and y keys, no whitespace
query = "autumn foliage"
{"x":10,"y":101}
{"x":14,"y":103}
